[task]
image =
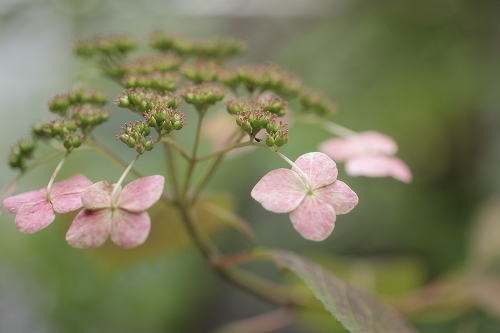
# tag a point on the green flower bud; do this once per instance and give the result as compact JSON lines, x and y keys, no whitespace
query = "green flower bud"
{"x":167,"y":126}
{"x":130,"y":142}
{"x":270,"y":141}
{"x":178,"y":125}
{"x":149,"y":145}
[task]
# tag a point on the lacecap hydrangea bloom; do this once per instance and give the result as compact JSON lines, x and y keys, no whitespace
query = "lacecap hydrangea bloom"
{"x":119,"y":214}
{"x":310,"y":192}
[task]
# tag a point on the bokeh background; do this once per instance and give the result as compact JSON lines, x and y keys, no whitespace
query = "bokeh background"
{"x":425,"y":72}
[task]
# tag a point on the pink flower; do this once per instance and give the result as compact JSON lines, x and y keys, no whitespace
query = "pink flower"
{"x":368,"y":154}
{"x":312,"y":195}
{"x":122,"y":216}
{"x":37,"y":209}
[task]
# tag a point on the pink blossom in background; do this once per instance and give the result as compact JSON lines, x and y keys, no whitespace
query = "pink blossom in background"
{"x":35,"y":209}
{"x":124,"y":217}
{"x":368,"y":154}
{"x":313,"y":202}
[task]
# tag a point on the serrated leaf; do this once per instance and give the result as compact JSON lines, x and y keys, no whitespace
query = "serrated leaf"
{"x":354,"y":309}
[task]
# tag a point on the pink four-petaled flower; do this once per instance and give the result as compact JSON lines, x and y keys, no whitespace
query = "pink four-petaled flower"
{"x":123,"y":216}
{"x":36,"y":209}
{"x":312,"y":195}
{"x":368,"y":154}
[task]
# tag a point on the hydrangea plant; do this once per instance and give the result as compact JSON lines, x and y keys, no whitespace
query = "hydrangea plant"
{"x":160,"y":86}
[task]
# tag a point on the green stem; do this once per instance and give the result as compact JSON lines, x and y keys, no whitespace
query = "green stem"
{"x":91,"y":142}
{"x":117,"y":186}
{"x":192,"y":162}
{"x":214,"y":166}
{"x":329,"y":126}
{"x":299,"y":170}
{"x":54,"y":174}
{"x":227,"y":149}
{"x":242,"y":278}
{"x":172,"y":143}
{"x":174,"y":175}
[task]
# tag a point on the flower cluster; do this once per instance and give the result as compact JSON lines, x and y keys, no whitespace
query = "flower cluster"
{"x":257,"y":101}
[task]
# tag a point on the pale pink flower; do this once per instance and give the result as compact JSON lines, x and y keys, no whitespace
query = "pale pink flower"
{"x":313,"y":197}
{"x":36,"y":209}
{"x":122,"y":217}
{"x":368,"y":154}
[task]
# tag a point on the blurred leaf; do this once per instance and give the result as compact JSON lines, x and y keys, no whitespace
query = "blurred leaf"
{"x":485,"y":291}
{"x":484,"y":245}
{"x":357,"y":311}
{"x":387,"y":276}
{"x":228,"y":217}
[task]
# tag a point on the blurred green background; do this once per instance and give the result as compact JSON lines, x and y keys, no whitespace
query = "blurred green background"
{"x":424,"y":72}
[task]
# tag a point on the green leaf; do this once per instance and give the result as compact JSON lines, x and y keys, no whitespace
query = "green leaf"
{"x":358,"y":312}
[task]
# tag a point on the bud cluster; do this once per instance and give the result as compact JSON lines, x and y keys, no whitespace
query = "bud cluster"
{"x":143,"y":99}
{"x":272,"y":103}
{"x":313,"y":101}
{"x":201,"y":71}
{"x":61,"y":129}
{"x":218,"y":48}
{"x":89,"y":115}
{"x":80,"y":110}
{"x":59,"y":104}
{"x":106,"y":46}
{"x":134,"y":136}
{"x":165,"y":120}
{"x":277,"y":134}
{"x":202,"y":95}
{"x":156,"y":80}
{"x":22,"y":151}
{"x":269,"y":77}
{"x":153,"y":63}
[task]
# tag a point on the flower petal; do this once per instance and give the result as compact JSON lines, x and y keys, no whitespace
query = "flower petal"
{"x":31,"y":218}
{"x":320,"y":168}
{"x":339,"y":149}
{"x":378,"y":166}
{"x":339,"y":195}
{"x":90,"y":228}
{"x":378,"y":143}
{"x":280,"y":191}
{"x":130,"y":229}
{"x":142,"y":193}
{"x":12,"y":204}
{"x":364,"y":143}
{"x":97,"y":196}
{"x":314,"y":219}
{"x":67,"y":195}
{"x":75,"y":184}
